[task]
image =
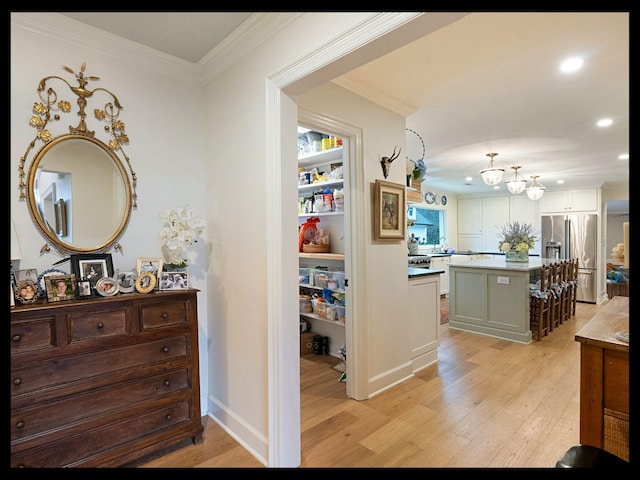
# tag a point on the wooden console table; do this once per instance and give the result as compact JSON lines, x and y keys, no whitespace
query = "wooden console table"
{"x":604,"y":379}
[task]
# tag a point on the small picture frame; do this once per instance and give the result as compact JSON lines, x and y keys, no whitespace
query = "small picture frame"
{"x":146,"y":282}
{"x":84,"y":288}
{"x":174,"y":281}
{"x":144,"y":265}
{"x":60,"y":287}
{"x":389,"y":211}
{"x":28,"y":274}
{"x":127,"y":281}
{"x":26,"y":291}
{"x":107,"y":286}
{"x":92,"y":266}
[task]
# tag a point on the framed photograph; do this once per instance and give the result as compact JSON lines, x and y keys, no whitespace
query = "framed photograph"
{"x":126,"y":281}
{"x":174,"y":281}
{"x":389,"y":211}
{"x":84,"y":288}
{"x":107,"y":286}
{"x":26,"y":291}
{"x":146,"y":282}
{"x":28,"y":274}
{"x":92,"y":266}
{"x":153,"y":265}
{"x":61,"y":287}
{"x":42,"y":280}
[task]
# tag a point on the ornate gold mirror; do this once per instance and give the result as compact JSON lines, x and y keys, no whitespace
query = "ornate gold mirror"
{"x":79,"y":191}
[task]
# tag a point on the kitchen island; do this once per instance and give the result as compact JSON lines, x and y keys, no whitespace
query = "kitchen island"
{"x":491,"y":297}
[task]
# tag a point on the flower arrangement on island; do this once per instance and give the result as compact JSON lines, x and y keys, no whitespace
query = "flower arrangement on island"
{"x":180,"y":229}
{"x":516,"y":236}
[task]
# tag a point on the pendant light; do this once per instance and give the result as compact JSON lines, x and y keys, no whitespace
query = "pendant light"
{"x":492,"y":175}
{"x":536,"y":189}
{"x":517,"y":183}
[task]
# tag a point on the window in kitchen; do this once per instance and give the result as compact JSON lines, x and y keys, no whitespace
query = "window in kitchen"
{"x":428,"y":227}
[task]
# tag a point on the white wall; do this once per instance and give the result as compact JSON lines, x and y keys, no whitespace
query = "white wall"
{"x":164,"y":121}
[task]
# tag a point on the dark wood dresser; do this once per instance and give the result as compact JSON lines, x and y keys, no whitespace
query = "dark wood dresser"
{"x":104,"y":382}
{"x":604,"y":379}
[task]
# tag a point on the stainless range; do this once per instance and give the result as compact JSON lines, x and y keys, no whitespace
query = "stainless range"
{"x":419,"y":261}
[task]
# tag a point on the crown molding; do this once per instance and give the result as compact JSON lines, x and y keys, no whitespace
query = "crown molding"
{"x":56,"y":26}
{"x":252,"y":33}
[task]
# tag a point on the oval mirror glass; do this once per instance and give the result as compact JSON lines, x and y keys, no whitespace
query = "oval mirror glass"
{"x":79,"y":194}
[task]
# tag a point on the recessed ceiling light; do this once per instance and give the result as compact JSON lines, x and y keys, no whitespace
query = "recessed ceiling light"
{"x":468,"y":179}
{"x":497,"y":187}
{"x":560,"y":181}
{"x":605,"y":122}
{"x":571,"y":65}
{"x":624,"y":156}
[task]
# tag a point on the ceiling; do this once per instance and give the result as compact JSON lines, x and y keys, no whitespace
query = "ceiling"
{"x":488,"y":82}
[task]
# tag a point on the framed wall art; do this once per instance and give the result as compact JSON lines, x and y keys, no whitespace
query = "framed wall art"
{"x":389,"y":210}
{"x":92,"y":266}
{"x":60,"y":287}
{"x":174,"y":281}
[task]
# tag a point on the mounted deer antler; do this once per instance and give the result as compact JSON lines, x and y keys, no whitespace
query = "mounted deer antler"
{"x":386,"y":161}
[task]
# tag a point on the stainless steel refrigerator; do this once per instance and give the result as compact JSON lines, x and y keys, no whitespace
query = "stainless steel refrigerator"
{"x":574,"y":236}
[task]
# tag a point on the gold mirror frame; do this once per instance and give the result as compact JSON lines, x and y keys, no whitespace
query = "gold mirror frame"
{"x":46,"y":114}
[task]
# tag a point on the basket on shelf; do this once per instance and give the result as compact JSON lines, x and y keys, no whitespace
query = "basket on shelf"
{"x":315,"y":248}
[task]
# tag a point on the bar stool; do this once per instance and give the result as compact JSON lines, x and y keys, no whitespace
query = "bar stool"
{"x":556,"y":296}
{"x":540,"y":305}
{"x":574,"y":285}
{"x":566,"y":267}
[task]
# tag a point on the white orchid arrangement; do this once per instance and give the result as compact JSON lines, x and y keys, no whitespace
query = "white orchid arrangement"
{"x":180,"y":229}
{"x":516,"y":236}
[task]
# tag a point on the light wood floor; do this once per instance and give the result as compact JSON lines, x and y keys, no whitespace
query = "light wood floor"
{"x":488,"y":403}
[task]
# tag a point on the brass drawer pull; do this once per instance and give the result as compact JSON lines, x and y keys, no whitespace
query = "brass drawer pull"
{"x":20,"y":425}
{"x":168,"y":417}
{"x":17,"y":337}
{"x":167,"y":383}
{"x":100,"y":325}
{"x":17,"y":381}
{"x":165,"y":349}
{"x":165,"y":315}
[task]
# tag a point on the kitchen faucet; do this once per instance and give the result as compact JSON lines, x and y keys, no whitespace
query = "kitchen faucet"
{"x":433,"y":249}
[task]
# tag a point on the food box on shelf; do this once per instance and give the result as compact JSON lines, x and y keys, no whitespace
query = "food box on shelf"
{"x":319,"y":308}
{"x":341,"y":314}
{"x":305,"y":304}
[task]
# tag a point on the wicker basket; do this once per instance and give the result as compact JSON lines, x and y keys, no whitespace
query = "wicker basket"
{"x":313,"y":248}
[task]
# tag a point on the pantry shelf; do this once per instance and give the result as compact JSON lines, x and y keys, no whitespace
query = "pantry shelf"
{"x":322,"y":256}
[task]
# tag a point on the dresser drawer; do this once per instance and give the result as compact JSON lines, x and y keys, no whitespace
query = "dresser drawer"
{"x":72,"y":411}
{"x":57,"y":372}
{"x":68,"y":452}
{"x":98,"y":325}
{"x":31,"y":335}
{"x":163,"y":315}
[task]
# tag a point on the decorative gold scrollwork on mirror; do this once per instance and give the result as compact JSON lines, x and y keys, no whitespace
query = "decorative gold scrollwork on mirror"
{"x":79,"y":192}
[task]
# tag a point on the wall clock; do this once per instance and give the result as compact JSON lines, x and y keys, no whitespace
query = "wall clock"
{"x":429,"y":197}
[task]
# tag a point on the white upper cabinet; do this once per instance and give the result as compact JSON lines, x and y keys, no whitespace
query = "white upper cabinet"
{"x":495,"y":213}
{"x":569,"y":201}
{"x":470,"y":216}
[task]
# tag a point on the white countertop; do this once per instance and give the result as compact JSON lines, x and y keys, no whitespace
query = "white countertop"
{"x":534,"y":263}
